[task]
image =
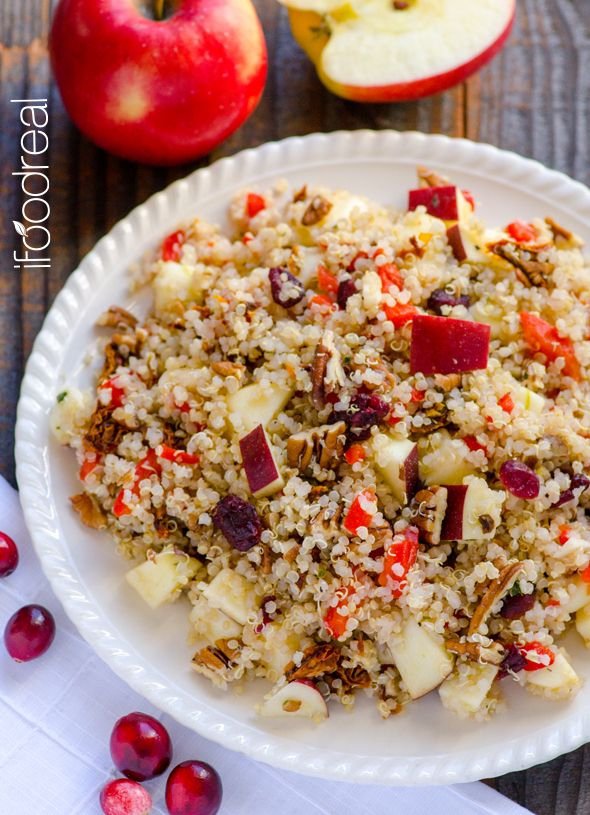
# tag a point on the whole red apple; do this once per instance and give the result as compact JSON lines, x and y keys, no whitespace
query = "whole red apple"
{"x":158,"y":82}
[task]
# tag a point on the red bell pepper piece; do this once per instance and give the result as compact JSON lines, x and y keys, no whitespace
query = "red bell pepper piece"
{"x":172,"y":246}
{"x":400,"y":556}
{"x":543,"y":337}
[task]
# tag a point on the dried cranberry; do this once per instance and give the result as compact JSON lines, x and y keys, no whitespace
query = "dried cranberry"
{"x":365,"y":411}
{"x":286,"y":289}
{"x":513,"y":662}
{"x":577,"y":482}
{"x":238,"y":522}
{"x":519,"y":479}
{"x":346,"y":288}
{"x":515,"y":607}
{"x":441,"y":297}
{"x":266,"y":616}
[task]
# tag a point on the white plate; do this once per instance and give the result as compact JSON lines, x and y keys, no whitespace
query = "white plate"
{"x":425,"y":745}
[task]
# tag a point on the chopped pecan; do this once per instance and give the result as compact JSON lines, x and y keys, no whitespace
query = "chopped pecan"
{"x":317,"y":661}
{"x":89,"y":510}
{"x":318,"y":489}
{"x":530,"y":272}
{"x":327,"y":374}
{"x":495,"y":591}
{"x":117,"y":317}
{"x":326,"y":520}
{"x":229,"y":652}
{"x":104,"y":434}
{"x":438,"y":417}
{"x":112,"y":359}
{"x":266,"y":560}
{"x":356,"y":677}
{"x":300,"y":195}
{"x":213,"y":663}
{"x":316,"y":211}
{"x":226,"y":368}
{"x":447,"y":382}
{"x":428,"y":178}
{"x":324,"y":444}
{"x":493,"y":654}
{"x":125,"y":343}
{"x":428,"y":509}
{"x":560,"y":233}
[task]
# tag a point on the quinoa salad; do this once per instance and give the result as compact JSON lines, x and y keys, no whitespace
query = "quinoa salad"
{"x":357,"y":440}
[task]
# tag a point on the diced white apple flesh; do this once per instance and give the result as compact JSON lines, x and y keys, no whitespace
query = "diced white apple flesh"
{"x":71,"y":411}
{"x":260,"y":465}
{"x":474,"y":510}
{"x":161,"y":579}
{"x":212,"y":624}
{"x":558,"y":680}
{"x":465,"y":693}
{"x":311,"y":259}
{"x":421,"y":658}
{"x":233,"y":594}
{"x":579,"y":596}
{"x":530,"y":401}
{"x":257,"y":404}
{"x":379,"y":47}
{"x":397,"y":461}
{"x":343,"y":206}
{"x":463,"y":246}
{"x":583,"y":623}
{"x":278,"y":646}
{"x":297,"y":698}
{"x":174,"y":282}
{"x":446,"y":463}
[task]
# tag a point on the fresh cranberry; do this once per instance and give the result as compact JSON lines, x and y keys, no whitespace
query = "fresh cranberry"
{"x":346,"y":288}
{"x":285,"y":288}
{"x":519,"y":479}
{"x":515,"y":607}
{"x":29,"y":633}
{"x":578,"y":483}
{"x":8,"y":555}
{"x":140,"y":747}
{"x":123,"y":797}
{"x":238,"y":522}
{"x":365,"y":411}
{"x":193,"y":788}
{"x":441,"y":297}
{"x":513,"y":662}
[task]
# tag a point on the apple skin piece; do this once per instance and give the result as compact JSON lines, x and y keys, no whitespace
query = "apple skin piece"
{"x":259,"y":462}
{"x":297,"y":698}
{"x":463,"y":247}
{"x":442,"y":345}
{"x":421,"y":658}
{"x":446,"y":203}
{"x":256,"y":404}
{"x":464,"y":694}
{"x":474,"y":510}
{"x":397,"y":461}
{"x":383,"y":55}
{"x":160,"y":92}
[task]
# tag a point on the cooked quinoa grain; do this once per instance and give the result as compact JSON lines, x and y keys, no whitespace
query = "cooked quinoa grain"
{"x":358,"y":442}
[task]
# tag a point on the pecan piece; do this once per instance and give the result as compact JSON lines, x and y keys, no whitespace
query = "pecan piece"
{"x":117,"y":317}
{"x":356,"y":677}
{"x":89,"y":510}
{"x":324,"y":444}
{"x":531,"y":272}
{"x":561,"y":234}
{"x":226,"y":368}
{"x":327,"y":374}
{"x":316,"y":211}
{"x":428,"y":178}
{"x":104,"y":434}
{"x":213,"y":663}
{"x":317,"y":661}
{"x":495,"y":591}
{"x":438,"y":417}
{"x":300,"y":194}
{"x":493,"y":654}
{"x":428,"y":509}
{"x":112,"y":359}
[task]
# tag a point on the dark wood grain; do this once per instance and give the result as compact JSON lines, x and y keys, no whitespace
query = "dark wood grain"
{"x":534,"y":99}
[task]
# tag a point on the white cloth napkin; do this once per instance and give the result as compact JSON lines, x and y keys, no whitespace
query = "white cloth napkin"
{"x":56,"y":715}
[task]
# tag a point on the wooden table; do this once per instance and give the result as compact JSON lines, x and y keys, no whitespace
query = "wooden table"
{"x":534,"y":99}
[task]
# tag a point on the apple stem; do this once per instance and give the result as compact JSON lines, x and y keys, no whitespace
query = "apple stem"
{"x":159,"y":9}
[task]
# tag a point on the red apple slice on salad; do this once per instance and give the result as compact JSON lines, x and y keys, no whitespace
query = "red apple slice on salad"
{"x":385,"y":51}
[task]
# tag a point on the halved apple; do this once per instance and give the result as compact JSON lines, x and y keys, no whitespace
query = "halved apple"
{"x":380,"y":51}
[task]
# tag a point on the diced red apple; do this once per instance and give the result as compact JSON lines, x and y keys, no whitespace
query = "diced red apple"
{"x":261,"y":468}
{"x":474,"y":510}
{"x":397,"y":461}
{"x":443,"y":345}
{"x":447,"y":462}
{"x":297,"y":698}
{"x":446,"y":203}
{"x":462,"y":245}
